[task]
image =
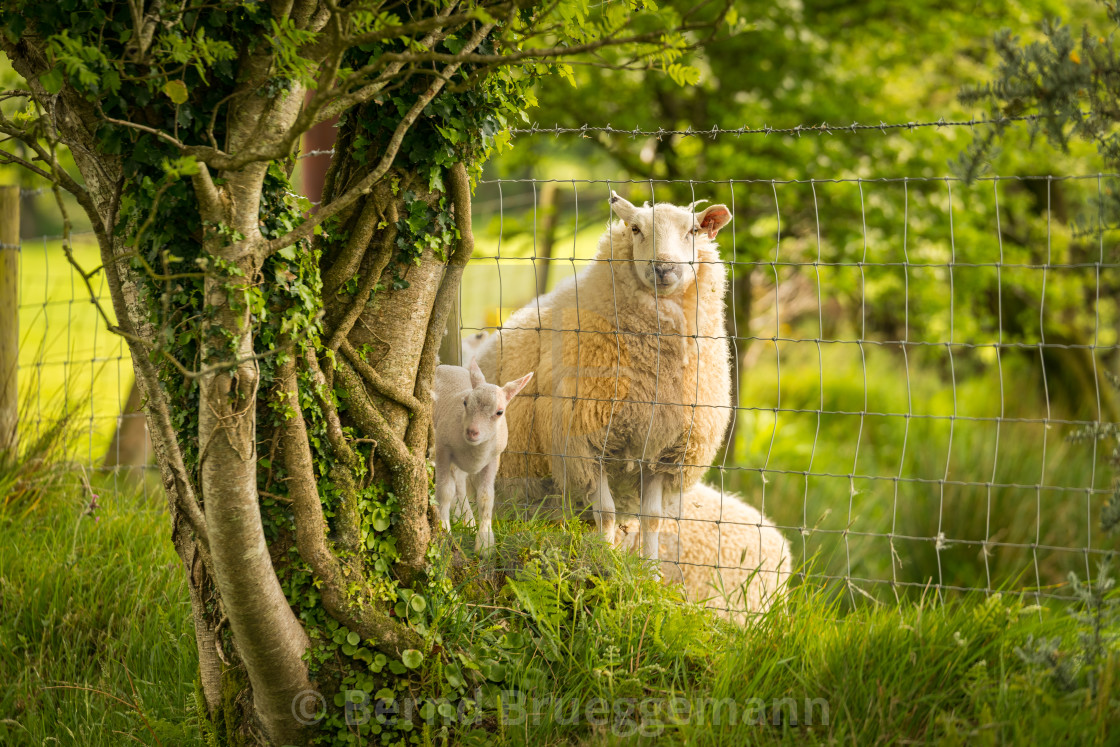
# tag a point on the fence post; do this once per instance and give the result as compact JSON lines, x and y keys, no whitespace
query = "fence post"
{"x":9,"y":318}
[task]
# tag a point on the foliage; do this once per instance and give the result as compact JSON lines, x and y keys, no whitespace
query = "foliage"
{"x":1068,"y":81}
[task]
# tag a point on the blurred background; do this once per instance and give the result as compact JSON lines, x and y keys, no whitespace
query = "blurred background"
{"x":912,"y":351}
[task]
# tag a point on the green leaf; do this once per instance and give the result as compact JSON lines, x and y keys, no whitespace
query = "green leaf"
{"x":176,"y":90}
{"x":381,"y":523}
{"x":418,"y":603}
{"x":53,"y":80}
{"x":353,"y":639}
{"x":412,"y":658}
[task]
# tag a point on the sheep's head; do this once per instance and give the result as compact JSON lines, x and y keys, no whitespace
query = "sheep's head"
{"x":667,"y":240}
{"x":485,"y":404}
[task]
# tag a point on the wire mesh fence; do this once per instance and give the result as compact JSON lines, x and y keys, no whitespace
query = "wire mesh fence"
{"x":907,"y":357}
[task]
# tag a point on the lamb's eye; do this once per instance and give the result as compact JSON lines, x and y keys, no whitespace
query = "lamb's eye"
{"x":635,"y":229}
{"x":695,"y":230}
{"x":499,"y":413}
{"x":464,"y":403}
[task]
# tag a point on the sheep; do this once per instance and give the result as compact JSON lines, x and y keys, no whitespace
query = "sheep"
{"x":723,"y":550}
{"x":633,"y":376}
{"x":470,"y":345}
{"x":470,"y":436}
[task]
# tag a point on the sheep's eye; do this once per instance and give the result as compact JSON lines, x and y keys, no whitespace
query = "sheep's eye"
{"x":464,"y":403}
{"x":499,"y":413}
{"x":695,"y":230}
{"x":635,"y":229}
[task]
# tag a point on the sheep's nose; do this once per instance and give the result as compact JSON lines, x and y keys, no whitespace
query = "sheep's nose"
{"x":472,"y":434}
{"x":664,"y":272}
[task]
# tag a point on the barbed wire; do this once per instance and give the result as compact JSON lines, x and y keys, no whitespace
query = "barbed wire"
{"x":824,"y":128}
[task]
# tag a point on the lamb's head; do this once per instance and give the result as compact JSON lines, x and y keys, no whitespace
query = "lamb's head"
{"x":485,"y":405}
{"x":668,"y":240}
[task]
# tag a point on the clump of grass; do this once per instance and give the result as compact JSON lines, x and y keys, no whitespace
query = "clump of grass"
{"x":96,"y":641}
{"x":594,"y":650}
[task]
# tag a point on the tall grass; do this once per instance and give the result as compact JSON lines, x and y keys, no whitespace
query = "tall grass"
{"x":596,"y":652}
{"x":96,"y":643}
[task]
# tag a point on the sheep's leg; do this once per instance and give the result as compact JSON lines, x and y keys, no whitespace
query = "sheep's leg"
{"x":482,"y":485}
{"x":445,"y":486}
{"x":462,"y":505}
{"x":603,"y":504}
{"x":650,"y":520}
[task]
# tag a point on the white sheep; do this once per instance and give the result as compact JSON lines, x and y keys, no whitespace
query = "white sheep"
{"x":724,"y":552}
{"x":470,"y":436}
{"x":632,"y":365}
{"x":470,"y":345}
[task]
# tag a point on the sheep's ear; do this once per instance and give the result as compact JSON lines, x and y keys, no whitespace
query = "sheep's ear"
{"x":477,"y":379}
{"x":512,"y":388}
{"x":622,"y":208}
{"x":713,"y":219}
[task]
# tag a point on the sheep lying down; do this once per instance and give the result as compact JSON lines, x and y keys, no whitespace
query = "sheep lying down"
{"x":631,"y":397}
{"x":725,"y":553}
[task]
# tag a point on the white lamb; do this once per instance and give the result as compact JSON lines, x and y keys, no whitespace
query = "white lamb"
{"x":633,"y":374}
{"x":723,"y":551}
{"x":470,"y":436}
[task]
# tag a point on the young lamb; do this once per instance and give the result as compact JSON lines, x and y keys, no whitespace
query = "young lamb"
{"x":633,"y":374}
{"x":723,"y":551}
{"x":470,"y":436}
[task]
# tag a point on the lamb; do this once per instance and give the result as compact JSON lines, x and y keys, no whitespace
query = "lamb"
{"x":723,"y":550}
{"x":633,"y":377}
{"x":470,"y":436}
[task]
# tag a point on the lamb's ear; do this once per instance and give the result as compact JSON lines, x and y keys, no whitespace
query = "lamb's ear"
{"x":622,"y":208}
{"x":477,"y":379}
{"x":512,"y":388}
{"x":713,"y":219}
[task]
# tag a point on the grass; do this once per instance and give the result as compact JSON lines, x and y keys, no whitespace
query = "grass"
{"x":579,"y":627}
{"x":96,"y":648}
{"x":96,"y":643}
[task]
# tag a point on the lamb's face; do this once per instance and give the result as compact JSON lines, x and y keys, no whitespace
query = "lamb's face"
{"x":667,"y":241}
{"x":485,"y":404}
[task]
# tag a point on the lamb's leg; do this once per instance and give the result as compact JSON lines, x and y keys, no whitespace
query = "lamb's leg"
{"x":462,"y":506}
{"x":482,"y":485}
{"x":445,"y":486}
{"x":603,"y":503}
{"x":650,"y":521}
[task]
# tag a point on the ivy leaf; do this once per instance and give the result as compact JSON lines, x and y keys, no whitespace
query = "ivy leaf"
{"x":412,"y":658}
{"x":52,"y":81}
{"x":176,"y":90}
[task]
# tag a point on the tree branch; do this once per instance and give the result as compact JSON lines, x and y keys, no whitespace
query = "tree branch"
{"x":364,"y":186}
{"x":459,"y":187}
{"x":370,"y":622}
{"x":382,"y":387}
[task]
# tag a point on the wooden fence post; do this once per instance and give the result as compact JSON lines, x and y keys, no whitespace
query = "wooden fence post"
{"x":9,"y":318}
